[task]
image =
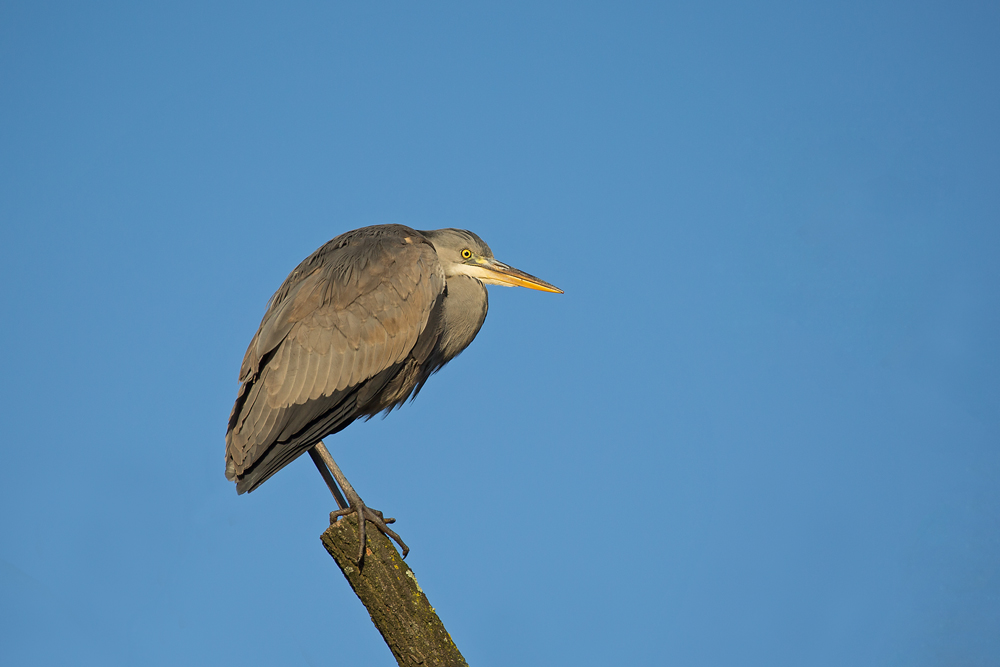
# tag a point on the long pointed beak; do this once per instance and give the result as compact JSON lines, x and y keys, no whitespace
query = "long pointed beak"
{"x":508,"y":275}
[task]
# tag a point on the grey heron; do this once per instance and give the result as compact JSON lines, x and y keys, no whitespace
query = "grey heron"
{"x":356,"y":329}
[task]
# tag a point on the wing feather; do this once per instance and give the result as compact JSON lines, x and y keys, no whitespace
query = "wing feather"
{"x":286,"y":394}
{"x":346,"y":318}
{"x":312,"y":370}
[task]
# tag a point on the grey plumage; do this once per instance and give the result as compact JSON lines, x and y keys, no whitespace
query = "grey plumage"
{"x":356,"y":329}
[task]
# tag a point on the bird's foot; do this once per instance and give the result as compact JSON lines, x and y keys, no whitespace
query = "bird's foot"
{"x":366,"y":514}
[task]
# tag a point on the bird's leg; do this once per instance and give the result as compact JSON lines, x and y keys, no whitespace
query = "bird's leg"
{"x":356,"y":506}
{"x":327,"y":477}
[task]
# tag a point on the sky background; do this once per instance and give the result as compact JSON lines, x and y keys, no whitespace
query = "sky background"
{"x":761,"y":427}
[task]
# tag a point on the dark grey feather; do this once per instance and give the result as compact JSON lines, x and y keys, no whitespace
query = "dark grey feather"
{"x":355,"y":329}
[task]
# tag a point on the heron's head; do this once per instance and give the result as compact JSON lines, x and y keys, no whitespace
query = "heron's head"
{"x":463,"y":253}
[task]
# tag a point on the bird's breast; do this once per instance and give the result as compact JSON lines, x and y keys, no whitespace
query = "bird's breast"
{"x":463,"y":313}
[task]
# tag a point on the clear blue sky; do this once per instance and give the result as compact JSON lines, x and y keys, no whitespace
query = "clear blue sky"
{"x":762,"y":426}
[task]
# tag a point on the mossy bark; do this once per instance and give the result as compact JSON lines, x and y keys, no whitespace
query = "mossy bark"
{"x":389,"y":590}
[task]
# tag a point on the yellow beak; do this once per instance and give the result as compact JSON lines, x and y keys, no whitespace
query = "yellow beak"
{"x":501,"y":274}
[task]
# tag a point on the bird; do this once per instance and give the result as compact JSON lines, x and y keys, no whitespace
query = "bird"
{"x":355,"y":330}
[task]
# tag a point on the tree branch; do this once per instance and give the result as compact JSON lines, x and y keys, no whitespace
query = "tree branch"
{"x":388,"y":589}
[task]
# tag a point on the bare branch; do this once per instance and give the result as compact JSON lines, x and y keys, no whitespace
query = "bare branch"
{"x":396,"y":603}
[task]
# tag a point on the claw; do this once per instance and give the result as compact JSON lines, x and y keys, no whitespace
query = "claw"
{"x":328,"y":467}
{"x":366,"y":514}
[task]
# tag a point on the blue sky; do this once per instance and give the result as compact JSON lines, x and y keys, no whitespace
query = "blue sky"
{"x":760,"y":428}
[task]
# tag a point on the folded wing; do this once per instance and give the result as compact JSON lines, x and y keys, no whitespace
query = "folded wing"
{"x":340,"y":327}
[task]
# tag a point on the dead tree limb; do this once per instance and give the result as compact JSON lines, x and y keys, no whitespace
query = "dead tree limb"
{"x":396,"y":603}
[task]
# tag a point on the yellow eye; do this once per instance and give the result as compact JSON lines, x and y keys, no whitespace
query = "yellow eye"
{"x":466,"y":254}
